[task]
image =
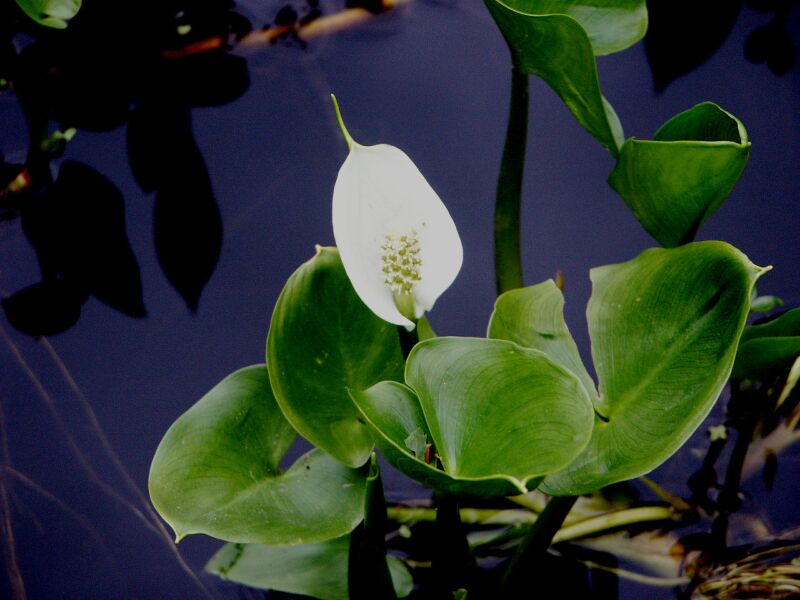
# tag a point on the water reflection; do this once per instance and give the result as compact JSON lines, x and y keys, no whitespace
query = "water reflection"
{"x":147,"y":71}
{"x":683,"y":34}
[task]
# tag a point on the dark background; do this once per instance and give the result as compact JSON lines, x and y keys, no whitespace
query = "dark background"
{"x":432,"y":78}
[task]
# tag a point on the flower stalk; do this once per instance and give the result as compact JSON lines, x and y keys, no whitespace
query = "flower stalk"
{"x":507,"y":254}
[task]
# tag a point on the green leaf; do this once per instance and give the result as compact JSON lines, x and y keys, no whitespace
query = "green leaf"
{"x":769,"y":348}
{"x":323,"y":340}
{"x":51,"y":13}
{"x":533,"y":317}
{"x":217,"y":472}
{"x":664,"y":329}
{"x":784,"y":325}
{"x":318,"y":570}
{"x":499,"y":416}
{"x":763,"y":358}
{"x":558,"y":40}
{"x":676,"y":181}
{"x":612,"y":25}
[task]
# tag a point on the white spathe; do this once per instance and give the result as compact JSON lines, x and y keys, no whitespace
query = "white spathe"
{"x":379,"y":197}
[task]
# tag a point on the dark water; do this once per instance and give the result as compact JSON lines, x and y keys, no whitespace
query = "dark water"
{"x":432,"y":78}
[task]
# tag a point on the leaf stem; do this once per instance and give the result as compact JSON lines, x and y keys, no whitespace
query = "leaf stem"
{"x":453,"y":564}
{"x":408,"y":339}
{"x":347,"y":137}
{"x":527,"y":558}
{"x":368,"y":573}
{"x":507,"y":256}
{"x":743,"y":401}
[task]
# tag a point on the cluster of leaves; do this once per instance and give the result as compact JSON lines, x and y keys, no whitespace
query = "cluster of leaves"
{"x":482,"y":417}
{"x":92,"y":77}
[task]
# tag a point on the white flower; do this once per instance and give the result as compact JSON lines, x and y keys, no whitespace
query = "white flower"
{"x":398,"y":243}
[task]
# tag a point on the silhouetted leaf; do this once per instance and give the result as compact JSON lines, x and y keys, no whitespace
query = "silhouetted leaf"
{"x":188,"y":227}
{"x":207,"y":78}
{"x":76,"y":87}
{"x":78,"y":232}
{"x":96,"y":250}
{"x":159,"y":134}
{"x":45,"y":308}
{"x":774,"y":45}
{"x":683,"y":34}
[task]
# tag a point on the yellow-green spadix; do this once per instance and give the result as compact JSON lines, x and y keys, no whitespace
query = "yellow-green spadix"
{"x":397,"y":241}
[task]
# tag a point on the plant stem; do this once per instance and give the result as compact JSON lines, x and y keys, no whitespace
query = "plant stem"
{"x":408,"y":339}
{"x":368,"y":573}
{"x":507,"y":258}
{"x":523,"y":518}
{"x":744,"y":403}
{"x":453,"y":564}
{"x":525,"y":562}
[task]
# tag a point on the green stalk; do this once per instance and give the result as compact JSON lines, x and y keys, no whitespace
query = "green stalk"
{"x":526,"y":562}
{"x":507,"y":257}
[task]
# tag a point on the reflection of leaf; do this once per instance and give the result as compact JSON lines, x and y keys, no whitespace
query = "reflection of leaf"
{"x":187,"y":226}
{"x":159,"y":134}
{"x":318,"y":570}
{"x":683,"y":34}
{"x":45,"y":308}
{"x":78,"y":231}
{"x":51,"y":13}
{"x":664,"y":328}
{"x":207,"y":78}
{"x":79,"y":87}
{"x":217,"y":471}
{"x":323,"y":340}
{"x":96,"y":251}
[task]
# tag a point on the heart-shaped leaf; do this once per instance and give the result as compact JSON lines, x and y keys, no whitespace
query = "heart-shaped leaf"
{"x":217,"y":472}
{"x":769,"y":348}
{"x":558,"y":40}
{"x":187,"y":226}
{"x":674,"y":182}
{"x":498,"y":416}
{"x":664,"y":329}
{"x":533,"y":317}
{"x":323,"y":340}
{"x":78,"y":231}
{"x":44,"y":308}
{"x":318,"y":570}
{"x":612,"y":25}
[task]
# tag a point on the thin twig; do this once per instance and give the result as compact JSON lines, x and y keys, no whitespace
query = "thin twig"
{"x":84,"y":462}
{"x":6,"y":527}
